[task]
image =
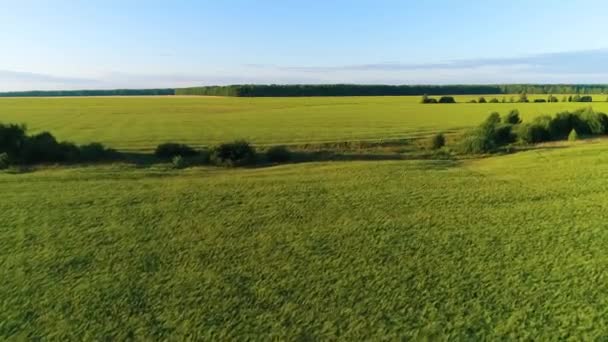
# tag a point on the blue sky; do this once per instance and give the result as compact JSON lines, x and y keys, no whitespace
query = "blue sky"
{"x":107,"y":44}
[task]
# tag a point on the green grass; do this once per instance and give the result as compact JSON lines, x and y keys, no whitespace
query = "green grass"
{"x":139,"y":124}
{"x":510,"y":247}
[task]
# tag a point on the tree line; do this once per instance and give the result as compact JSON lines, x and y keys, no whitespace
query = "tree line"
{"x":277,"y":90}
{"x":113,"y":92}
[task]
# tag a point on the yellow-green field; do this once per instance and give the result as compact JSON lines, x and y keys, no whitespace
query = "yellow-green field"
{"x":509,"y":247}
{"x":141,"y":123}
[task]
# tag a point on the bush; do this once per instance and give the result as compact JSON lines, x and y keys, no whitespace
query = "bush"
{"x":473,"y":101}
{"x":4,"y":161}
{"x":523,"y":98}
{"x":482,"y":100}
{"x":573,"y":136}
{"x":535,"y":132}
{"x":552,"y":99}
{"x":12,"y":139}
{"x":170,"y":150}
{"x":512,"y":117}
{"x":540,"y":100}
{"x":437,"y":141}
{"x":586,"y":99}
{"x":41,"y":148}
{"x":426,"y":99}
{"x":237,"y":153}
{"x":503,"y":134}
{"x":447,"y":99}
{"x":477,"y":143}
{"x":278,"y":154}
{"x":494,"y":100}
{"x":96,"y":152}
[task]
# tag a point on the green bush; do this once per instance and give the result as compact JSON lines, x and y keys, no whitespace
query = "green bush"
{"x":237,"y":153}
{"x":476,"y":142}
{"x":12,"y":139}
{"x":540,"y":100}
{"x":482,"y":100}
{"x":512,"y":117}
{"x":4,"y":161}
{"x":278,"y":154}
{"x":170,"y":150}
{"x":437,"y":141}
{"x":96,"y":152}
{"x":552,"y":99}
{"x":494,"y":100}
{"x":573,"y":136}
{"x":41,"y":148}
{"x":447,"y":99}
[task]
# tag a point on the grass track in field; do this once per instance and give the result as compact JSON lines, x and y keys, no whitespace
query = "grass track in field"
{"x":141,"y":123}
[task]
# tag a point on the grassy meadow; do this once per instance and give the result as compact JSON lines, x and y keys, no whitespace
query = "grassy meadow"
{"x":504,"y":247}
{"x":141,"y":123}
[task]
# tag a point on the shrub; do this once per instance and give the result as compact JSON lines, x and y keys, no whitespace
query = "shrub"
{"x":552,"y":99}
{"x":536,"y":131}
{"x":170,"y":150}
{"x":476,"y":142}
{"x":42,"y":147}
{"x":447,"y":99}
{"x":96,"y":152}
{"x":178,"y":162}
{"x":278,"y":154}
{"x":585,"y":99}
{"x":473,"y":101}
{"x":494,"y":100}
{"x":512,"y":117}
{"x":540,"y":100}
{"x":4,"y":161}
{"x":427,"y":99}
{"x":237,"y":153}
{"x":437,"y":141}
{"x":12,"y":139}
{"x":573,"y":136}
{"x":482,"y":100}
{"x":503,"y":134}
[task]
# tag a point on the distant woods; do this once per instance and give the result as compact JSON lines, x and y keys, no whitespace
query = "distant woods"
{"x":301,"y":90}
{"x":388,"y":90}
{"x":65,"y":93}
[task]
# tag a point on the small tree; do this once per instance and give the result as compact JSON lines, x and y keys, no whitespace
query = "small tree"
{"x":437,"y":141}
{"x":482,"y":100}
{"x":573,"y":136}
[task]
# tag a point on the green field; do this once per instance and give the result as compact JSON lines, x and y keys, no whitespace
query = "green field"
{"x":504,"y":247}
{"x":141,"y":123}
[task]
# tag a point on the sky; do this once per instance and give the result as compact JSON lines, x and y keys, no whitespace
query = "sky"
{"x":93,"y":44}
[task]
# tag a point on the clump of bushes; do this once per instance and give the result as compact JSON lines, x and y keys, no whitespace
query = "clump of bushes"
{"x":278,"y":154}
{"x":178,"y":162}
{"x":170,"y":150}
{"x":495,"y":132}
{"x":237,"y":153}
{"x":44,"y":148}
{"x":482,"y":100}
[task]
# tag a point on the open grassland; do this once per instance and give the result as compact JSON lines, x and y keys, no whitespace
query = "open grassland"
{"x":513,"y":246}
{"x":141,"y":123}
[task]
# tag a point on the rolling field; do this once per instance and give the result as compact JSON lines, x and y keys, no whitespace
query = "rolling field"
{"x":502,"y":247}
{"x":141,"y":123}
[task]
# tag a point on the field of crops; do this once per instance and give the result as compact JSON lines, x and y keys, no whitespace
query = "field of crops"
{"x":141,"y":123}
{"x":503,"y":247}
{"x":513,"y":246}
